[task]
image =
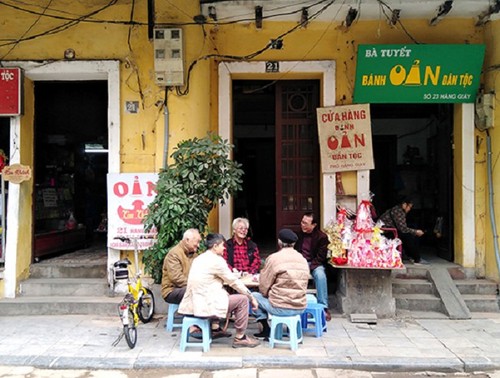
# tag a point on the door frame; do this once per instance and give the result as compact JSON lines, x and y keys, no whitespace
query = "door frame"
{"x":108,"y":70}
{"x":324,"y":70}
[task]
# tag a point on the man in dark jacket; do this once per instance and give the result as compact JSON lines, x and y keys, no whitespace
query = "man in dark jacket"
{"x":313,"y":243}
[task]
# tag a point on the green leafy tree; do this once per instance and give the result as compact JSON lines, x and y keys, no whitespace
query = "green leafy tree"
{"x":201,"y":176}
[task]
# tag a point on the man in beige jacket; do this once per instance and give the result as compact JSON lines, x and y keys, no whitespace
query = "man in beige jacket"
{"x":282,"y":283}
{"x":206,"y":297}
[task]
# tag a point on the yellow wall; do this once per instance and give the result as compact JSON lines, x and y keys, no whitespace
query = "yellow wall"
{"x":492,"y":84}
{"x":24,"y":243}
{"x":193,"y":114}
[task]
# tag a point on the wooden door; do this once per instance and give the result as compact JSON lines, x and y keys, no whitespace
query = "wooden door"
{"x":297,"y":152}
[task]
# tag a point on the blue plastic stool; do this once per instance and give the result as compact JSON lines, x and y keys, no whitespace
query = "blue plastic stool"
{"x":204,"y":324}
{"x":170,"y":324}
{"x":314,"y":314}
{"x":294,"y":331}
{"x":311,"y":298}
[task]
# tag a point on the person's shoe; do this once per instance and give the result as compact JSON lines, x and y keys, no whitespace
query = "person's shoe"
{"x":245,"y":342}
{"x":196,"y":333}
{"x":219,"y":333}
{"x":262,"y":335}
{"x":328,"y":316}
{"x":422,"y":262}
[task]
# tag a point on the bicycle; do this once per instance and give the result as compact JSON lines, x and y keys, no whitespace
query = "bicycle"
{"x":139,"y":301}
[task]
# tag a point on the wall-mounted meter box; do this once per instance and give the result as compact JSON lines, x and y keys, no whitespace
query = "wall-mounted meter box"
{"x":169,"y":52}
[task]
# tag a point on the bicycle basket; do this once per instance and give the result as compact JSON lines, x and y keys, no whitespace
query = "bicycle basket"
{"x":120,"y":269}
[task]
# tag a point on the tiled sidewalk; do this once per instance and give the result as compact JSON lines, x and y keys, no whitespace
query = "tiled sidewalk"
{"x":79,"y":341}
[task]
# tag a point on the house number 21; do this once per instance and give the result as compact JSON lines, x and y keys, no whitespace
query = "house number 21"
{"x":272,"y":66}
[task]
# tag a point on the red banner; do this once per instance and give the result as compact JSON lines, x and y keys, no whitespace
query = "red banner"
{"x":10,"y":91}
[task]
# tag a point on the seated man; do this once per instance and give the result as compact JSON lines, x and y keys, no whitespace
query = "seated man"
{"x":313,"y":243}
{"x":206,"y":297}
{"x":241,"y":253}
{"x":176,"y":265}
{"x":395,"y":217}
{"x":282,"y":283}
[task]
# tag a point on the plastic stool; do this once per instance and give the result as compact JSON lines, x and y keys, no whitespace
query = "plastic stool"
{"x":311,"y":298}
{"x":170,"y":324}
{"x":294,"y":331}
{"x":204,"y":324}
{"x":314,"y":314}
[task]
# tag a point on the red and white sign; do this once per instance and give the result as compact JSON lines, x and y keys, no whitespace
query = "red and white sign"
{"x":345,"y":138}
{"x":129,"y":195}
{"x":10,"y":91}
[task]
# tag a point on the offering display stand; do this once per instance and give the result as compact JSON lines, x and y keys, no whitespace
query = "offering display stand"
{"x":365,"y":291}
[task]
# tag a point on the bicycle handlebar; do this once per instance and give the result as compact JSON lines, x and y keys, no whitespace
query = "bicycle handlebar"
{"x":123,"y":239}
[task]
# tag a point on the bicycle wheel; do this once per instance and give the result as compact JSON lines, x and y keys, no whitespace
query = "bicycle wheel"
{"x":146,"y":305}
{"x":130,"y":330}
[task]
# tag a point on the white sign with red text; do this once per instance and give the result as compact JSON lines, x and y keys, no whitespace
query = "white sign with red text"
{"x":129,"y":195}
{"x":345,"y":138}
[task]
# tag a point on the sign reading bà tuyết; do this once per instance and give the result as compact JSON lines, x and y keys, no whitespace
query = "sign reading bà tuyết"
{"x":345,"y":138}
{"x":418,"y":73}
{"x":10,"y":91}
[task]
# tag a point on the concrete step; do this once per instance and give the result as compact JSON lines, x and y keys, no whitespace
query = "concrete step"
{"x":476,"y":286}
{"x":482,"y":302}
{"x":411,"y":286}
{"x":68,"y":270}
{"x":107,"y":306}
{"x":80,"y":287}
{"x":418,"y":302}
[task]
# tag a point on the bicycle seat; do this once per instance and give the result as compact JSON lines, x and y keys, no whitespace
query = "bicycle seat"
{"x":122,"y":263}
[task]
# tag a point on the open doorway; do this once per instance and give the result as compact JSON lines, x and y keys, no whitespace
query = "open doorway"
{"x":276,"y":141}
{"x":254,"y":141}
{"x":412,"y":146}
{"x":71,"y":163}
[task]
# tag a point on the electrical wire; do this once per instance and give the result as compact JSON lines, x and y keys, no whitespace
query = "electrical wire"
{"x":27,"y":31}
{"x":248,"y":56}
{"x":385,"y":5}
{"x":62,"y":27}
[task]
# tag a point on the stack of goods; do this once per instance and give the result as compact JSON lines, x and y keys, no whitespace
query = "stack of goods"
{"x":361,"y":243}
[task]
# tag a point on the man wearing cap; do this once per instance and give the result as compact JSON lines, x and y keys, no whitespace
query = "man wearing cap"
{"x":282,"y":283}
{"x":313,"y":243}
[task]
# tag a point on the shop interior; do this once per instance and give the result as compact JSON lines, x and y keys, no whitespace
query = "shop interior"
{"x":4,"y":160}
{"x":412,"y":155}
{"x":71,"y":163}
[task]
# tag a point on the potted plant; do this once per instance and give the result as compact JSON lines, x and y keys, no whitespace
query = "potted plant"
{"x":201,"y":176}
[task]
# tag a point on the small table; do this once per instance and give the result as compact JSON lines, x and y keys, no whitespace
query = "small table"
{"x":250,"y":280}
{"x":366,"y":291}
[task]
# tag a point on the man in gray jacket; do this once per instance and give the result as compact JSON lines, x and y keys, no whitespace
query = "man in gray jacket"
{"x":282,"y":283}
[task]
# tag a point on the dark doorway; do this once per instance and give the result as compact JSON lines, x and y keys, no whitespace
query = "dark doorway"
{"x":275,"y":138}
{"x":71,"y":162}
{"x":5,"y":136}
{"x":254,"y":140}
{"x":412,"y":146}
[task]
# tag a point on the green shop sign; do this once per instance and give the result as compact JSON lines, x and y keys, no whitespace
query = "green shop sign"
{"x":418,"y":73}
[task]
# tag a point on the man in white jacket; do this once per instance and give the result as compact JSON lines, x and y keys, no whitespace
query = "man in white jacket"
{"x":206,"y":297}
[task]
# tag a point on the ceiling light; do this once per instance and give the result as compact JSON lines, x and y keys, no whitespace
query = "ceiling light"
{"x":69,"y":54}
{"x":394,"y":17}
{"x":351,"y":16}
{"x":304,"y":17}
{"x":258,"y":17}
{"x":486,"y":15}
{"x":212,"y":13}
{"x":443,"y":10}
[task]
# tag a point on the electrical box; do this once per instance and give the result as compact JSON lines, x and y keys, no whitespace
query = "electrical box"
{"x":169,"y":52}
{"x":485,"y":107}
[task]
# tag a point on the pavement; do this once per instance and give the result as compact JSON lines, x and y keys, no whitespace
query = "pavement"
{"x":407,"y":342}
